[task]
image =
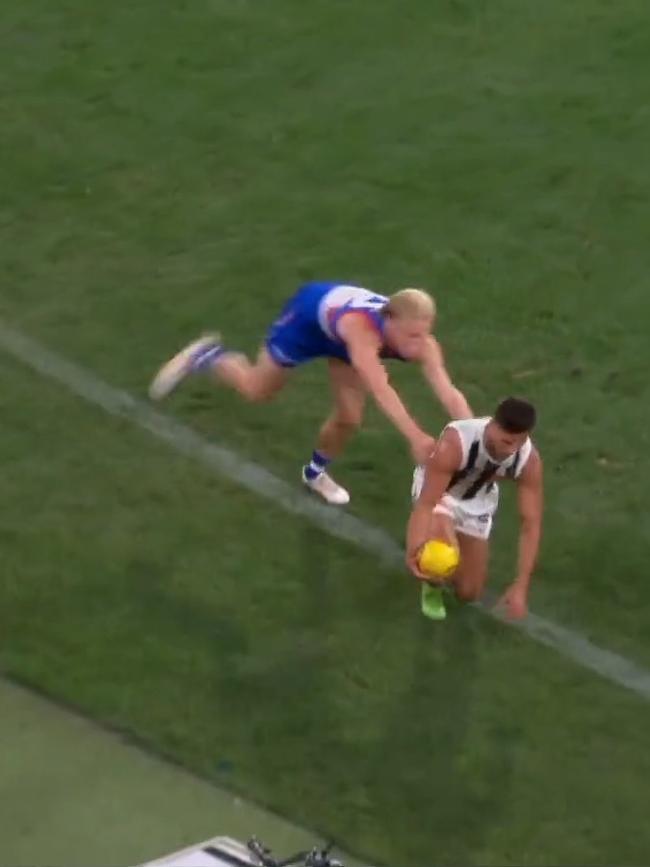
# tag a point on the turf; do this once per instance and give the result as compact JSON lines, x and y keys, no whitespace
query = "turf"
{"x":287,"y":666}
{"x":163,"y":172}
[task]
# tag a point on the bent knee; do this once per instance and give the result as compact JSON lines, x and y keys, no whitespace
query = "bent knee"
{"x":255,"y":393}
{"x":348,"y":421}
{"x":469,"y":591}
{"x":259,"y":390}
{"x":259,"y":394}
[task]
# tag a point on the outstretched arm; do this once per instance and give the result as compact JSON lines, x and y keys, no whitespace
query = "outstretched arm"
{"x":438,"y":470}
{"x":436,"y":374}
{"x":363,"y":346}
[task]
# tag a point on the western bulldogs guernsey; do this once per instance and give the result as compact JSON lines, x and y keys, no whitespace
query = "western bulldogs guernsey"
{"x":474,"y":486}
{"x":307,"y":325}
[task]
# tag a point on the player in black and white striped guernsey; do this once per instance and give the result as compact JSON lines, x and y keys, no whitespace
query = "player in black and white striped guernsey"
{"x":456,"y":495}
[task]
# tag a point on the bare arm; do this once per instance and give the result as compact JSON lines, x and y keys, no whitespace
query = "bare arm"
{"x":439,"y":469}
{"x":530,"y":497}
{"x":436,"y":374}
{"x":363,"y":346}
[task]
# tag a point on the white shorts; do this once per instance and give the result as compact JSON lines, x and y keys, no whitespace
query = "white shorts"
{"x":470,"y":523}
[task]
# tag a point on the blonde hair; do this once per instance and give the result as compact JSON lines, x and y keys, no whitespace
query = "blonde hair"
{"x":411,"y":304}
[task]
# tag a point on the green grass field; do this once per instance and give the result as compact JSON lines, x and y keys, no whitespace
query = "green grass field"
{"x":169,"y":169}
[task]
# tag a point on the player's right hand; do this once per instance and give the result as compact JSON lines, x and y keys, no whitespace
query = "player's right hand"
{"x":412,"y":562}
{"x":422,"y":448}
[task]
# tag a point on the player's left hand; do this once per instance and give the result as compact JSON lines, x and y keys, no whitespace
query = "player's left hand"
{"x":422,"y":448}
{"x":514,"y":602}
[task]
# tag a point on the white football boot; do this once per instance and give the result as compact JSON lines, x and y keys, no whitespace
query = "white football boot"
{"x":185,"y":362}
{"x":325,"y":486}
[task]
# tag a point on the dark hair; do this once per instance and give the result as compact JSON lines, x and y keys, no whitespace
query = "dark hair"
{"x":515,"y":415}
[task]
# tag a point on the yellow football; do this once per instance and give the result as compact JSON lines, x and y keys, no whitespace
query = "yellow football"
{"x":438,"y":559}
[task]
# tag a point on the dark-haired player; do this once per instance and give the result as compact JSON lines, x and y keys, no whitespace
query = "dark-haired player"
{"x":456,"y":494}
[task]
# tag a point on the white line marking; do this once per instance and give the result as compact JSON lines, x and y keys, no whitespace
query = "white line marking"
{"x":337,"y":523}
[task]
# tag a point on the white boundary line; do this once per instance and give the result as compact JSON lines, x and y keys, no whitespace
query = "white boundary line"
{"x":255,"y":478}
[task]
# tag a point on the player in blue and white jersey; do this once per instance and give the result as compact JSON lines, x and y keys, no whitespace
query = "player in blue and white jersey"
{"x":355,"y":330}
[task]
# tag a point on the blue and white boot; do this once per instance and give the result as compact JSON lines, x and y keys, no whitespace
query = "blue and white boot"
{"x":196,"y":357}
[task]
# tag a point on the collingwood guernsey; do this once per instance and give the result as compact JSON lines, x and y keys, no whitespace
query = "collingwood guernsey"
{"x":475,"y":483}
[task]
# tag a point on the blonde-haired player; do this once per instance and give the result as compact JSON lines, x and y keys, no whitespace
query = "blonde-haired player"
{"x":355,"y":329}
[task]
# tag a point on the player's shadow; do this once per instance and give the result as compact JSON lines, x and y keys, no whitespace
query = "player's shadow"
{"x":316,"y":721}
{"x":456,"y":782}
{"x":435,"y":754}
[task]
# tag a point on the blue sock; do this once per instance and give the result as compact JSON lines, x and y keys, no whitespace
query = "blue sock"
{"x":316,"y":466}
{"x":206,"y":358}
